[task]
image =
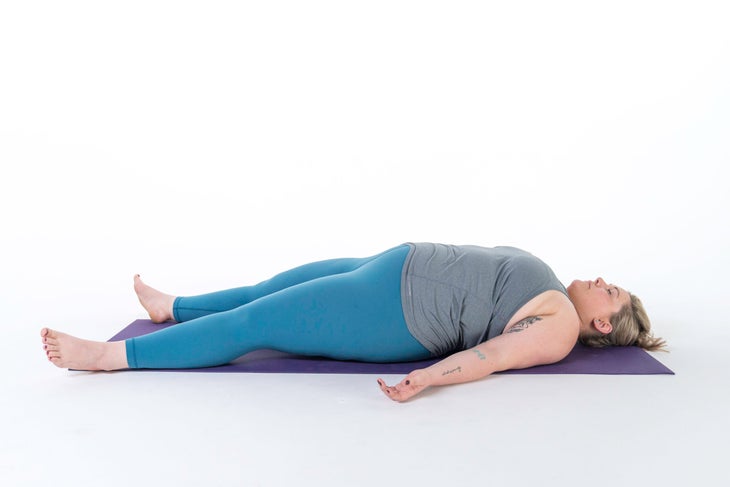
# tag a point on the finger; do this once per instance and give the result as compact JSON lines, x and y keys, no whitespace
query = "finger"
{"x":399,"y":396}
{"x":394,"y":394}
{"x":390,"y":390}
{"x":384,"y":387}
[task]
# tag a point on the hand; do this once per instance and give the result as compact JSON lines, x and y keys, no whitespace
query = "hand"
{"x":413,"y":383}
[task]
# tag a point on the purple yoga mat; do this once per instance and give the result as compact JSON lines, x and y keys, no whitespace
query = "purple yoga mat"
{"x":581,"y":360}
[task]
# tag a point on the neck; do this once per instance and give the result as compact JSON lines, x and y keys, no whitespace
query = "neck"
{"x":585,"y":329}
{"x":585,"y":325}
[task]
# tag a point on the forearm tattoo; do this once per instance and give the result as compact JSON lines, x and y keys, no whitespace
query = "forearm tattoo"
{"x":524,"y":324}
{"x":479,"y":354}
{"x":458,"y":369}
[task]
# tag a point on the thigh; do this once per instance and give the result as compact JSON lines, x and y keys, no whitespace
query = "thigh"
{"x":355,"y":315}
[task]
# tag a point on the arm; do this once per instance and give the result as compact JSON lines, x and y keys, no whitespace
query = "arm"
{"x":533,"y":341}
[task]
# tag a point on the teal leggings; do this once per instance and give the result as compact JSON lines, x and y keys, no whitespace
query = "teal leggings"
{"x":346,"y":309}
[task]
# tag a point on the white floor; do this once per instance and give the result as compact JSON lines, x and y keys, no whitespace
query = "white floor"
{"x":210,"y":144}
{"x":148,"y":428}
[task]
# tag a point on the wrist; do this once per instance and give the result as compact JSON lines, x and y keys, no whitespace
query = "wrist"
{"x":429,"y":377}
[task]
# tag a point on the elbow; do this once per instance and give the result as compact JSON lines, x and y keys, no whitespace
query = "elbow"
{"x":522,"y":359}
{"x":501,"y":361}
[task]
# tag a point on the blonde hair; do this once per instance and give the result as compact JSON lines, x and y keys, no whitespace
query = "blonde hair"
{"x":631,"y":326}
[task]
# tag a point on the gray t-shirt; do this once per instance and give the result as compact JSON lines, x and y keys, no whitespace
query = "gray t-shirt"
{"x":457,"y":296}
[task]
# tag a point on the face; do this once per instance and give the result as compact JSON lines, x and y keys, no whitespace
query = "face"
{"x":596,"y":301}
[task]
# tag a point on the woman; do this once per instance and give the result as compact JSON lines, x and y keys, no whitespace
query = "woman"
{"x":485,"y":309}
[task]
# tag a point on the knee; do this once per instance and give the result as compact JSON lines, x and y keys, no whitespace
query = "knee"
{"x":241,"y":316}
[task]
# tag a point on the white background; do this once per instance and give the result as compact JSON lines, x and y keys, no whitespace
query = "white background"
{"x":212,"y":144}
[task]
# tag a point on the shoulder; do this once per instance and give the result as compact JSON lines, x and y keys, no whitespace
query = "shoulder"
{"x":551,"y":303}
{"x":543,"y":339}
{"x":545,"y":334}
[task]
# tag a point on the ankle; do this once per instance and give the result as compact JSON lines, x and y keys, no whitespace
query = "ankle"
{"x":113,"y":356}
{"x":171,"y":307}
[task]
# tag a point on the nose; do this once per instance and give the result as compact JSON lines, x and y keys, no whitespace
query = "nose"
{"x":600,"y":282}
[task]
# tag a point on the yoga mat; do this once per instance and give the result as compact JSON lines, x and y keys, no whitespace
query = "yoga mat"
{"x":581,"y":360}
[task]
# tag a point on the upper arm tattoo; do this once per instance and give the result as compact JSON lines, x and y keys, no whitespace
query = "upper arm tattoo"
{"x":524,"y":324}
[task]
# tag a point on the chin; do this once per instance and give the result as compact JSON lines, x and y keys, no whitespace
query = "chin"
{"x":573,"y":290}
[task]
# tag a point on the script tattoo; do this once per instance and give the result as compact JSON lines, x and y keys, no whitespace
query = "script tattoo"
{"x":523,"y":324}
{"x":458,"y":369}
{"x":479,"y":354}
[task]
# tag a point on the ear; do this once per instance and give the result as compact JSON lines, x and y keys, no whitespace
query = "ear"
{"x":604,"y":326}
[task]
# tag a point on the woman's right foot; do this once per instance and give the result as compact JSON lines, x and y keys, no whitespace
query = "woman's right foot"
{"x":69,"y":352}
{"x":157,"y":304}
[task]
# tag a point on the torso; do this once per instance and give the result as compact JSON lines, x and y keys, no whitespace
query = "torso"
{"x":456,"y":296}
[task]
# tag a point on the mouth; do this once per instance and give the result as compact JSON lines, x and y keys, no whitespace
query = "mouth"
{"x":589,"y":284}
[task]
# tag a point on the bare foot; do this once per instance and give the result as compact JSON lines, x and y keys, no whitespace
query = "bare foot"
{"x":70,"y":352}
{"x":157,"y":304}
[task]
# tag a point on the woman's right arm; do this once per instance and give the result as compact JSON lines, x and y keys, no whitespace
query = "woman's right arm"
{"x":464,"y":366}
{"x":541,"y":340}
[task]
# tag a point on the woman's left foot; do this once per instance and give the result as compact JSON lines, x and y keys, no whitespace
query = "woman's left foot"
{"x":157,"y":304}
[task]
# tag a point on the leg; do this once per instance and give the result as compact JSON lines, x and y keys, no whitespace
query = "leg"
{"x":354,"y":315}
{"x":165,"y":307}
{"x":189,"y":308}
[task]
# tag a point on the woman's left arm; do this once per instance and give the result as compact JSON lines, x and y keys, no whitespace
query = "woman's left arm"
{"x":539,"y":340}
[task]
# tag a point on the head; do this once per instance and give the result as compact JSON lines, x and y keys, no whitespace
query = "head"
{"x":610,"y":315}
